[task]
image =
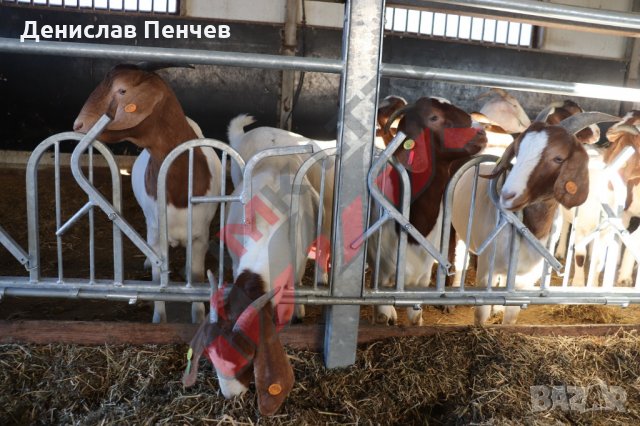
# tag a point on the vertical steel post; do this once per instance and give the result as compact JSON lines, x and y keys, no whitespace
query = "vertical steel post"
{"x":361,"y":49}
{"x":289,"y":44}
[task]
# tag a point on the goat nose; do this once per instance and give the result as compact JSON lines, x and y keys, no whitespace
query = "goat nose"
{"x":506,"y":195}
{"x":77,"y":125}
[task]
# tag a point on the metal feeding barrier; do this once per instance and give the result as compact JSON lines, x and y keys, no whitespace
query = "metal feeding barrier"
{"x":356,"y":171}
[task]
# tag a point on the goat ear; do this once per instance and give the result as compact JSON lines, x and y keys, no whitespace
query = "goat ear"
{"x":138,"y":104}
{"x":273,"y":372}
{"x":200,"y":341}
{"x":572,"y":186}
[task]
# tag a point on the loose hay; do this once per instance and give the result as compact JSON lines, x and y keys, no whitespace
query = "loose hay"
{"x":479,"y":376}
{"x":587,"y":314}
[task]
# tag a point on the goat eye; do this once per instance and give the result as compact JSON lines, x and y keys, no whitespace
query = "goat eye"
{"x":559,"y":160}
{"x":122,"y":91}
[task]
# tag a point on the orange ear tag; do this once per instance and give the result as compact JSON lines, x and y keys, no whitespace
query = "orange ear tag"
{"x":275,"y":389}
{"x":409,"y":144}
{"x":571,"y":187}
{"x":130,"y":108}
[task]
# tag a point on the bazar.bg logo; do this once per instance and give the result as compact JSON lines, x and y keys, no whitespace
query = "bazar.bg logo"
{"x":581,"y":399}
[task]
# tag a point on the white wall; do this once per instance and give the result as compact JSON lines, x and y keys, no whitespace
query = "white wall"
{"x":318,"y":13}
{"x":582,"y":42}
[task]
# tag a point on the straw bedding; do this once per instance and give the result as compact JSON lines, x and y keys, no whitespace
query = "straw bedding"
{"x":478,"y":376}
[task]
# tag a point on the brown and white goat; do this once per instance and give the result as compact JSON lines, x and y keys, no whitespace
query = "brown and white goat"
{"x":241,"y":339}
{"x":551,"y":170}
{"x":620,"y":135}
{"x":439,"y":139}
{"x":259,"y":237}
{"x":146,"y":112}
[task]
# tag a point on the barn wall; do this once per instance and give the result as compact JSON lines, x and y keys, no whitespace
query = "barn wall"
{"x":42,"y":94}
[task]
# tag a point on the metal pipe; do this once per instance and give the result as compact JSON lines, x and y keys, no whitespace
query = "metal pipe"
{"x":182,"y":294}
{"x":73,"y":219}
{"x":512,"y":82}
{"x":532,"y":8}
{"x":14,"y":248}
{"x":253,"y":60}
{"x":179,"y":56}
{"x":536,"y":13}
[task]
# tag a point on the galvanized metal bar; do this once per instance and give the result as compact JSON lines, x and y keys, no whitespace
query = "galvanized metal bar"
{"x":532,"y":8}
{"x":447,"y":210}
{"x":143,"y":290}
{"x":372,"y":175}
{"x":514,"y":252}
{"x":189,"y":248}
{"x":251,"y":60}
{"x":405,"y":204}
{"x":472,"y":211}
{"x":92,"y":234}
{"x":162,"y":194}
{"x":568,"y":262}
{"x":521,"y":228}
{"x":361,"y":53}
{"x":316,"y":270}
{"x":536,"y":13}
{"x":297,"y":187}
{"x":98,"y":199}
{"x":73,"y":219}
{"x":173,"y":55}
{"x":511,"y":82}
{"x":32,"y":199}
{"x":247,"y":191}
{"x":14,"y":248}
{"x":57,"y":208}
{"x":223,"y":214}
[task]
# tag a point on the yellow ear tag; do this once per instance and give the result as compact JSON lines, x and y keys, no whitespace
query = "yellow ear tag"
{"x":189,"y":356}
{"x":571,"y":187}
{"x":130,"y":108}
{"x":409,"y":144}
{"x":275,"y":389}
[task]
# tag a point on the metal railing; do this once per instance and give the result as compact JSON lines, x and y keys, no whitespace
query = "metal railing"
{"x":361,"y":70}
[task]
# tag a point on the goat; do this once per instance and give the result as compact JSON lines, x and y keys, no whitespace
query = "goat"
{"x":240,"y":337}
{"x":505,"y":111}
{"x":439,"y":140}
{"x":620,"y":135}
{"x":146,"y":112}
{"x":261,"y":138}
{"x":263,"y":262}
{"x":501,"y":116}
{"x":588,"y":216}
{"x":551,"y":170}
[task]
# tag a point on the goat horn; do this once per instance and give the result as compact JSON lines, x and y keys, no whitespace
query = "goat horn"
{"x":156,"y":66}
{"x":247,"y":317}
{"x":542,"y":116}
{"x":394,"y":116}
{"x":577,"y":122}
{"x":626,"y":128}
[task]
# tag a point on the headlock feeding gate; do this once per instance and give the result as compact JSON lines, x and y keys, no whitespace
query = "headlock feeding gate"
{"x":343,"y":287}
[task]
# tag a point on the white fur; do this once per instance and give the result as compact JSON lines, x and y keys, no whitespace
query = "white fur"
{"x":484,"y":222}
{"x":177,"y":224}
{"x":529,"y":154}
{"x":587,"y":218}
{"x":506,"y":111}
{"x":261,"y":138}
{"x":230,"y":387}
